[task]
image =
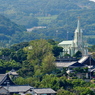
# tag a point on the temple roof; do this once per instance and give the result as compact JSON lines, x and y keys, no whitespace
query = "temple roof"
{"x":84,"y":61}
{"x":87,"y":60}
{"x":77,"y":64}
{"x":63,"y":64}
{"x":4,"y":79}
{"x":44,"y":90}
{"x":12,"y":72}
{"x":2,"y":76}
{"x":18,"y":88}
{"x":69,"y":64}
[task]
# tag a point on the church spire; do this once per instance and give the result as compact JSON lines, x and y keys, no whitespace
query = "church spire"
{"x":78,"y":24}
{"x":78,"y":34}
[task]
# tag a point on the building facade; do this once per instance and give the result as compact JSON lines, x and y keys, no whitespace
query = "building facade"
{"x":77,"y":44}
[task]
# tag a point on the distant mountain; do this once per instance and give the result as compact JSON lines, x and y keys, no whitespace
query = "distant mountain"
{"x":8,"y":27}
{"x":24,"y":11}
{"x":58,"y":16}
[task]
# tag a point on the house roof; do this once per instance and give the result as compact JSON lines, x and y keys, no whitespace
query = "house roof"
{"x":69,"y":64}
{"x":4,"y":79}
{"x":3,"y":91}
{"x":12,"y":72}
{"x":87,"y":60}
{"x":77,"y":64}
{"x":83,"y":59}
{"x":18,"y":88}
{"x":43,"y":90}
{"x":66,"y":42}
{"x":64,"y":64}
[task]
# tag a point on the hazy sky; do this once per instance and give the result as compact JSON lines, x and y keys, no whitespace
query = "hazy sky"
{"x":92,"y":0}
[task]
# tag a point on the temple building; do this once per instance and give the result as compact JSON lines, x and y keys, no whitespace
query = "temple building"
{"x":72,"y":46}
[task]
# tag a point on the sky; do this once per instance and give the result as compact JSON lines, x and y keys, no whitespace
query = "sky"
{"x":92,"y":0}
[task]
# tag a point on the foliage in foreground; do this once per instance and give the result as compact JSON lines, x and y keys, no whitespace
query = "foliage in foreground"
{"x":35,"y":64}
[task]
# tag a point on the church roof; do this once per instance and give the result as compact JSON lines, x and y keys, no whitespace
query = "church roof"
{"x":66,"y":42}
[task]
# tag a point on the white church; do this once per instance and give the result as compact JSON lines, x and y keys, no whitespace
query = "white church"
{"x":72,"y":46}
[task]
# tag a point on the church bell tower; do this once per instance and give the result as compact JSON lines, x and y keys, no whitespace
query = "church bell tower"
{"x":78,"y":37}
{"x":79,"y":44}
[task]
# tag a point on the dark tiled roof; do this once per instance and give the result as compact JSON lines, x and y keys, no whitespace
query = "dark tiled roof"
{"x":3,"y":91}
{"x":18,"y":88}
{"x":44,"y":90}
{"x":4,"y":79}
{"x":12,"y":72}
{"x":77,"y":64}
{"x":69,"y":64}
{"x":87,"y":60}
{"x":63,"y":64}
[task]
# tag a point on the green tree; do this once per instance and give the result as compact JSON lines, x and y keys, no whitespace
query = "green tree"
{"x":20,"y":81}
{"x":83,"y":91}
{"x":66,"y":55}
{"x":56,"y":50}
{"x":18,"y":46}
{"x":18,"y":56}
{"x":50,"y":81}
{"x":64,"y":92}
{"x":48,"y":64}
{"x":37,"y":50}
{"x":78,"y":54}
{"x":6,"y":52}
{"x":93,"y":55}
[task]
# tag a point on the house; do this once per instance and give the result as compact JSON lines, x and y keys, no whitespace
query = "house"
{"x":5,"y":80}
{"x":7,"y":86}
{"x":18,"y":89}
{"x":85,"y":61}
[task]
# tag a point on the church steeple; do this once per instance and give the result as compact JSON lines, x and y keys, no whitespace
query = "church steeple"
{"x":78,"y":34}
{"x":78,"y":25}
{"x":73,"y":46}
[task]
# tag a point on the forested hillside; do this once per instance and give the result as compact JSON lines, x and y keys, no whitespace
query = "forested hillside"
{"x":7,"y":29}
{"x":59,"y":18}
{"x":22,"y":11}
{"x":34,"y":62}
